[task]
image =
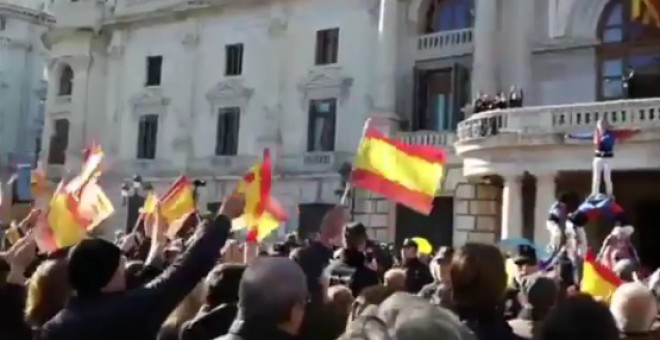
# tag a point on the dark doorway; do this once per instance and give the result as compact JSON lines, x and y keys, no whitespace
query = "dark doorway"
{"x":310,"y":218}
{"x":647,"y":232}
{"x":437,"y":227}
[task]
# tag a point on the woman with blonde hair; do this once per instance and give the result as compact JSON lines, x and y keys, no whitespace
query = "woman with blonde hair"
{"x":184,"y":312}
{"x":47,"y":291}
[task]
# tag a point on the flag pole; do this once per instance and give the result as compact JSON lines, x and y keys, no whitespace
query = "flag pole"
{"x":348,"y":187}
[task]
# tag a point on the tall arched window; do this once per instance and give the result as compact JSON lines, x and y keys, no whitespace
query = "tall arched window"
{"x":629,"y":54}
{"x":448,"y":15}
{"x":66,"y":81}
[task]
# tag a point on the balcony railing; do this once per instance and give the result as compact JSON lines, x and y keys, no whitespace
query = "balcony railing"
{"x":444,"y":44}
{"x":638,"y":113}
{"x":435,"y":138}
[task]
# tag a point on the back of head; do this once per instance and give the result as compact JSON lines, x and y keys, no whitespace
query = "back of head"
{"x":478,"y":277}
{"x":579,"y":317}
{"x":223,"y":283}
{"x":92,"y":264}
{"x":355,"y":235}
{"x":270,"y":287}
{"x":395,"y":279}
{"x":540,"y":292}
{"x":407,"y":317}
{"x":634,"y":308}
{"x":47,"y":292}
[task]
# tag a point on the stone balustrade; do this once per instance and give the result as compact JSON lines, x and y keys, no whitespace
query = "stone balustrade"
{"x":443,"y":44}
{"x":561,"y":119}
{"x":424,"y":137}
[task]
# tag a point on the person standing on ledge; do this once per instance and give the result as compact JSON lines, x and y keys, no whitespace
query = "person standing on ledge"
{"x":604,"y":139}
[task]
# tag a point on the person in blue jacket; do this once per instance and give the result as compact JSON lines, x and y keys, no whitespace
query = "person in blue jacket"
{"x":604,"y":139}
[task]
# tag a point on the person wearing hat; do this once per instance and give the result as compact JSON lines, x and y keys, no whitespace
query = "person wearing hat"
{"x":439,"y":290}
{"x":417,"y":273}
{"x":538,"y":294}
{"x":526,"y":261}
{"x":353,"y":268}
{"x":102,"y":308}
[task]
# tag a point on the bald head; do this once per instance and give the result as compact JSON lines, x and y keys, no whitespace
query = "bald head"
{"x":270,"y":288}
{"x":633,"y":307}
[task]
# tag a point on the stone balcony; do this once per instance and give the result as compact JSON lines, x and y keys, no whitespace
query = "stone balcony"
{"x":443,"y":44}
{"x":535,"y":137}
{"x":443,"y":139}
{"x":79,"y":14}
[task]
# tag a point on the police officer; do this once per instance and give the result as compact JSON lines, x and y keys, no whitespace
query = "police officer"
{"x":417,"y":273}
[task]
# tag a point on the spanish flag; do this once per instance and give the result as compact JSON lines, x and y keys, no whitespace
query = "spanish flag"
{"x":406,"y":174}
{"x":91,"y":169}
{"x":598,"y":280}
{"x":178,"y":201}
{"x":263,"y":213}
{"x":646,"y":11}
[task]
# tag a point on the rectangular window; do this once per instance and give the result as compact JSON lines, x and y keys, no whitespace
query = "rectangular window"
{"x":234,"y":60}
{"x":327,"y":46}
{"x":226,"y":143}
{"x":147,"y":136}
{"x":154,"y":70}
{"x":59,"y":141}
{"x":321,"y":129}
{"x":441,"y":95}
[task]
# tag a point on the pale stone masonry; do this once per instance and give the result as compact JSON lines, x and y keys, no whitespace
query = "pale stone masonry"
{"x":476,"y":213}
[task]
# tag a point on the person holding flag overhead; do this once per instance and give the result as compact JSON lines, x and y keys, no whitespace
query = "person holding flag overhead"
{"x":604,"y":139}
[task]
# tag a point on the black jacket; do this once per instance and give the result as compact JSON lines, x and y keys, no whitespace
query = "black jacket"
{"x":210,"y":324}
{"x":352,"y":272}
{"x":417,"y":275}
{"x":139,"y":313}
{"x":12,"y":304}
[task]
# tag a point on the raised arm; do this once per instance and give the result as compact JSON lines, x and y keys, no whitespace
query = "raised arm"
{"x":622,"y":134}
{"x":160,"y":296}
{"x":581,"y":136}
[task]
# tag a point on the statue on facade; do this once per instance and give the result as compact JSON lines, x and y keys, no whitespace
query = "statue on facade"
{"x":604,"y":139}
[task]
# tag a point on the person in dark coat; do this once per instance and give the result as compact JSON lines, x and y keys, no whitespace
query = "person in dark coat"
{"x":103,"y":309}
{"x":272,"y":300}
{"x":221,"y":306}
{"x":417,"y":273}
{"x":352,"y":269}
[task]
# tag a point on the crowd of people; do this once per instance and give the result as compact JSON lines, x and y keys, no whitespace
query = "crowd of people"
{"x":339,"y":285}
{"x":488,"y":102}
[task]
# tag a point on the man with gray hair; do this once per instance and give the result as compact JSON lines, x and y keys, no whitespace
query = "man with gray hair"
{"x":407,"y":317}
{"x":634,"y":309}
{"x":272,"y":297}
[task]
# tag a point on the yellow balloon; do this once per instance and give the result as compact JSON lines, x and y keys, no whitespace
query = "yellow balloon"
{"x":423,"y":245}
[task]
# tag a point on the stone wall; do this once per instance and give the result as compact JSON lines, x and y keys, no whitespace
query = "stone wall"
{"x":374,"y":211}
{"x":476,"y":213}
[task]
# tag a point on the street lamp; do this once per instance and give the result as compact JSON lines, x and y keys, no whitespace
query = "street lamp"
{"x":133,"y":200}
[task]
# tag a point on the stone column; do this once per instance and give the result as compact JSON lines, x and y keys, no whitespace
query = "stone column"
{"x":512,"y":207}
{"x":484,"y":70}
{"x":386,"y":66}
{"x":545,"y":197}
{"x":522,"y":35}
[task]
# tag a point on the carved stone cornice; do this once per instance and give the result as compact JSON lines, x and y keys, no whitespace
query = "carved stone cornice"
{"x":324,"y":82}
{"x":27,"y":14}
{"x":149,"y":101}
{"x":229,"y":92}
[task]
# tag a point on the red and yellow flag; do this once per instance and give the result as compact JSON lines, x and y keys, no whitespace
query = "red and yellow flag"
{"x":263,"y":213}
{"x":178,"y":201}
{"x":598,"y":280}
{"x":646,"y":11}
{"x":92,"y":158}
{"x":407,"y":174}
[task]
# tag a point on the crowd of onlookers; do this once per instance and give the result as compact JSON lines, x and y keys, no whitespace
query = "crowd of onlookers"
{"x":339,"y":285}
{"x":487,"y":102}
